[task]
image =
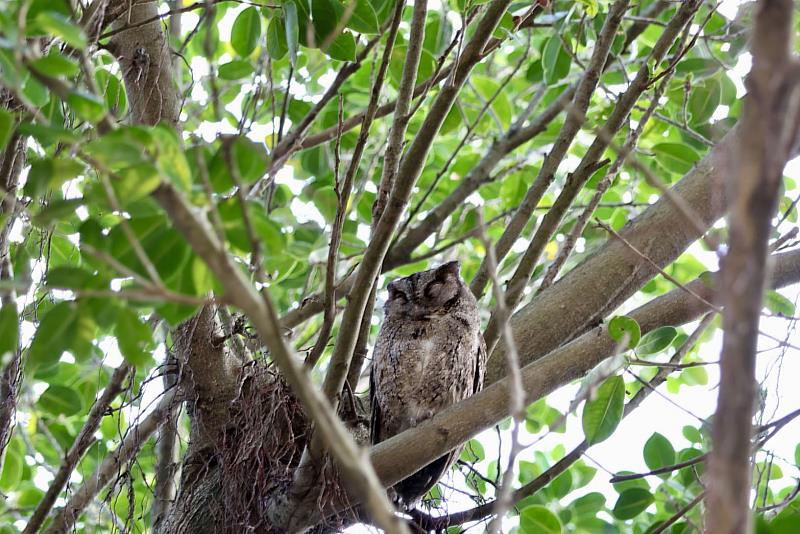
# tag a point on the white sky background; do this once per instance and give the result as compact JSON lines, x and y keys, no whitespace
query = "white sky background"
{"x":777,"y":369}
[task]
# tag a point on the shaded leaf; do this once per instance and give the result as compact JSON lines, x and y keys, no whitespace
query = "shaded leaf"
{"x":658,"y":452}
{"x":60,"y":400}
{"x":632,"y":502}
{"x":657,"y":340}
{"x":9,"y":330}
{"x":675,"y":157}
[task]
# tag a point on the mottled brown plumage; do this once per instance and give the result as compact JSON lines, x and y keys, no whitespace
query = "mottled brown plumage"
{"x":429,"y":355}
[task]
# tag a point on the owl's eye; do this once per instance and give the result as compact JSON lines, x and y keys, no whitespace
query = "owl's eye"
{"x":396,"y":294}
{"x":433,"y":288}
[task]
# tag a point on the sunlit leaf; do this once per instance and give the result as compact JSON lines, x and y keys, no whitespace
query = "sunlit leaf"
{"x":539,"y":520}
{"x":59,"y":25}
{"x":622,"y":327}
{"x":602,"y":414}
{"x":133,"y":336}
{"x":246,"y":31}
{"x":6,"y":127}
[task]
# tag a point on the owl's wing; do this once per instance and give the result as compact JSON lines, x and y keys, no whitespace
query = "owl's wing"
{"x":480,"y":365}
{"x":375,"y":418}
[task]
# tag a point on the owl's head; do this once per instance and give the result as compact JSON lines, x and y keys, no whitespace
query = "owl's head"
{"x":427,"y":293}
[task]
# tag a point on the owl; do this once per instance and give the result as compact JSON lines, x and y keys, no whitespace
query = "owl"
{"x":429,"y":355}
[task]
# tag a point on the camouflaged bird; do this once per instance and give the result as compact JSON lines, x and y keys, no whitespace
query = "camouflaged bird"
{"x":429,"y":355}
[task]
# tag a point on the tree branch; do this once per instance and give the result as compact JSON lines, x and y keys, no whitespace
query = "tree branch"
{"x":134,"y":438}
{"x":770,"y":113}
{"x":398,"y":457}
{"x":82,"y":442}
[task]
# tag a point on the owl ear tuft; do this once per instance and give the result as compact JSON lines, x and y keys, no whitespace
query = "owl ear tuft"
{"x":451,"y":268}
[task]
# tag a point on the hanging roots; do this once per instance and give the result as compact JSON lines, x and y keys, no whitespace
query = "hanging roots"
{"x":260,"y":450}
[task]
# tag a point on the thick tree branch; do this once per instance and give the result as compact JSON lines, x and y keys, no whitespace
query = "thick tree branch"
{"x":769,"y":123}
{"x":261,"y":312}
{"x":479,"y":512}
{"x":397,"y":457}
{"x":613,"y":273}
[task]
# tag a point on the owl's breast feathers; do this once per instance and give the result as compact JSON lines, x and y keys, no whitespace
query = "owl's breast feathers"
{"x":419,"y":369}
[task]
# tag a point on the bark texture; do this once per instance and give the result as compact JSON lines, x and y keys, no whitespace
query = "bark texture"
{"x":769,"y":134}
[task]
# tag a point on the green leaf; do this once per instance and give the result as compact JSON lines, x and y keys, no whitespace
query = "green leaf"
{"x":6,"y":127}
{"x":555,"y":60}
{"x":170,"y":158}
{"x":589,"y":504}
{"x":54,"y":335}
{"x":657,"y":340}
{"x":695,"y":376}
{"x":67,"y":276}
{"x":292,"y":30}
{"x":632,"y":502}
{"x":86,"y":106}
{"x":60,"y":26}
{"x":602,"y":414}
{"x":692,"y":434}
{"x":9,"y":330}
{"x":55,"y":64}
{"x":325,"y":200}
{"x":675,"y":157}
{"x":363,"y":18}
{"x":658,"y":452}
{"x":269,"y":232}
{"x":276,"y":38}
{"x":778,"y":304}
{"x":60,"y":400}
{"x":620,"y":326}
{"x":13,"y":467}
{"x":113,"y":91}
{"x":326,"y":15}
{"x":246,"y":31}
{"x":539,"y":520}
{"x":698,"y":66}
{"x":343,"y":47}
{"x":50,"y":173}
{"x":473,"y":452}
{"x":57,"y":209}
{"x":135,"y":182}
{"x":234,"y":70}
{"x":134,"y":337}
{"x":251,"y":158}
{"x":703,"y":100}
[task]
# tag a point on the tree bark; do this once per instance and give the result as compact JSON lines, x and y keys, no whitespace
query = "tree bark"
{"x":769,"y":126}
